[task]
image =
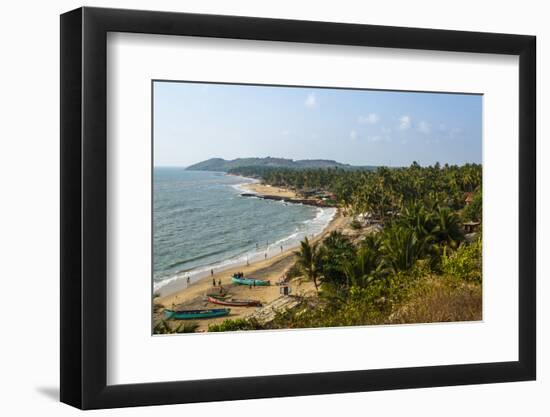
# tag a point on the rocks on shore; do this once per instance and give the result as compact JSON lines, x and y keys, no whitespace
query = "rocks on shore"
{"x":305,"y":201}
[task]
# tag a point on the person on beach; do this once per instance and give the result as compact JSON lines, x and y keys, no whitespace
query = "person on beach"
{"x":281,"y":248}
{"x":188,"y":279}
{"x":220,"y":282}
{"x":265,"y":255}
{"x":213,"y":282}
{"x":254,"y":283}
{"x":211,"y":272}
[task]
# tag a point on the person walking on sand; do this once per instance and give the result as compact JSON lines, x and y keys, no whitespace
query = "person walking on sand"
{"x":281,"y":248}
{"x":188,"y":279}
{"x":213,"y":282}
{"x":265,"y":255}
{"x":220,"y":282}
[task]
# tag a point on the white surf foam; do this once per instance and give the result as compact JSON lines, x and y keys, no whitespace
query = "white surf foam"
{"x":309,"y":228}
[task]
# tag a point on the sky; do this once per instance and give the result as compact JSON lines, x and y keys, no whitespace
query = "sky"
{"x":197,"y":121}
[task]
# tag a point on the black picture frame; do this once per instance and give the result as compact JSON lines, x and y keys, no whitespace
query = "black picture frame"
{"x":84,"y":207}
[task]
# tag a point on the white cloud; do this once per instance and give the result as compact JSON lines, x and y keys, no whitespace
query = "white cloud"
{"x":369,"y":119}
{"x":404,"y":122}
{"x":374,"y":138}
{"x":353,"y":135}
{"x":311,"y":101}
{"x":424,"y":127}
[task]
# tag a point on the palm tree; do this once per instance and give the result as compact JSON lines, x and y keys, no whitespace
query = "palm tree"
{"x":401,"y":247}
{"x":309,"y":261}
{"x":448,"y":230}
{"x":416,"y":217}
{"x":335,"y":252}
{"x":364,"y":268}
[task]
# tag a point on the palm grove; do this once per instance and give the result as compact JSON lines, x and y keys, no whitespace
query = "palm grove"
{"x":417,"y":265}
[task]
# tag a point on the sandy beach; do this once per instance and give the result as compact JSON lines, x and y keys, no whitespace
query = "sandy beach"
{"x":272,"y":269}
{"x":265,"y":189}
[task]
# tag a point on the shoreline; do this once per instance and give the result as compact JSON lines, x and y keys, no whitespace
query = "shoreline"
{"x":272,"y":269}
{"x":269,"y":192}
{"x":261,"y":190}
{"x":178,"y":282}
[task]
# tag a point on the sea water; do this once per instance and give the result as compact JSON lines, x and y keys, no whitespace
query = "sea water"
{"x":202,"y":223}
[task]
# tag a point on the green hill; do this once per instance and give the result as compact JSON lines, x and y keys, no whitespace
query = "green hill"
{"x":219,"y":164}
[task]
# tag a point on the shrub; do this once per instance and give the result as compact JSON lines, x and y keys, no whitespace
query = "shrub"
{"x":465,"y":263}
{"x":231,"y":325}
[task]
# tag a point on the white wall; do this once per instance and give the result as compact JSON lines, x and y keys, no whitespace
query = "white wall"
{"x":29,"y":172}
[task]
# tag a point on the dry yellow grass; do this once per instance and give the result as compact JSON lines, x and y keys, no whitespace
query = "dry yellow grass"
{"x":441,"y":299}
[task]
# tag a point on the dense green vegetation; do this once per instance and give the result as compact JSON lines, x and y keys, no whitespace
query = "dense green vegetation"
{"x":381,"y":191}
{"x":418,"y":266}
{"x":237,"y":324}
{"x":167,"y":327}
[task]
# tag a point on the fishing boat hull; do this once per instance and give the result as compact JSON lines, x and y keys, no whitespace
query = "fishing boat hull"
{"x":196,"y":314}
{"x":249,"y":281}
{"x":235,"y":303}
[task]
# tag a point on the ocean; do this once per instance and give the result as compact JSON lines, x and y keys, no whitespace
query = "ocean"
{"x":200,"y":222}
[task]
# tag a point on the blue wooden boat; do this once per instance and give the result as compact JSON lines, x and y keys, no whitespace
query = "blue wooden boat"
{"x":249,"y":281}
{"x":196,"y":314}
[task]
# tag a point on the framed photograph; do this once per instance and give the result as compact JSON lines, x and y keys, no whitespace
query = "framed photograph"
{"x":260,"y":208}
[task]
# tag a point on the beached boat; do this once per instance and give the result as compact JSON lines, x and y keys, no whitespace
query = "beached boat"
{"x":249,"y":281}
{"x":234,"y":303}
{"x":196,"y":314}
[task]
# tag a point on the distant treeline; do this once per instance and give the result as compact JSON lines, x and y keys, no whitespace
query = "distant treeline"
{"x":383,"y":191}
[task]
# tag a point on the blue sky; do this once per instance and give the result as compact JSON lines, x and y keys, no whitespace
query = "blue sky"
{"x":194,"y":122}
